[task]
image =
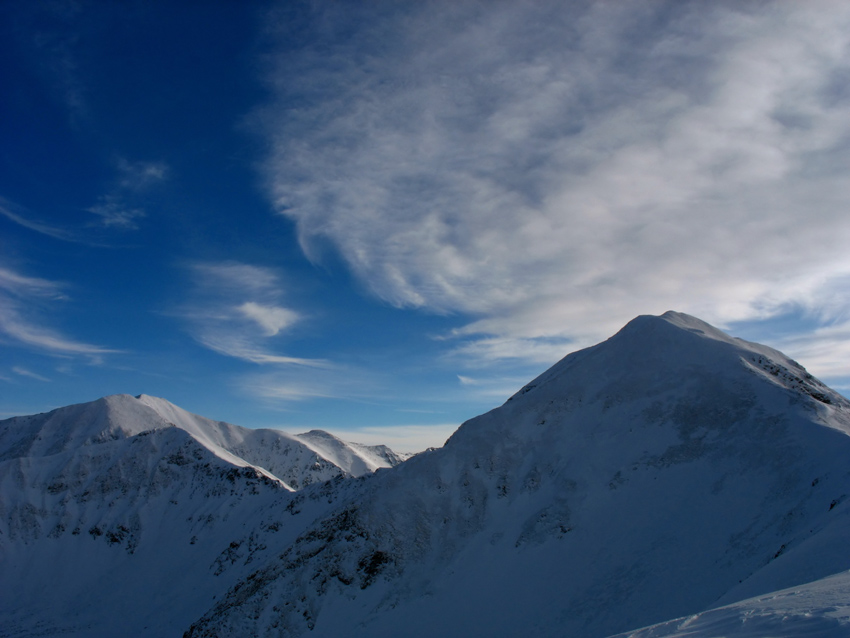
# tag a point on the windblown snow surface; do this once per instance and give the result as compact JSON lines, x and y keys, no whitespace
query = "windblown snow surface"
{"x":813,"y":610}
{"x":669,"y":472}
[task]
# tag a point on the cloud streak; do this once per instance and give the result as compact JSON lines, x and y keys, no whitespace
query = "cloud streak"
{"x":23,"y":372}
{"x":235,"y":310}
{"x":23,"y":303}
{"x":133,"y":179}
{"x":551,"y":169}
{"x":825,"y":351}
{"x":17,"y":215}
{"x":137,"y":176}
{"x":113,"y":213}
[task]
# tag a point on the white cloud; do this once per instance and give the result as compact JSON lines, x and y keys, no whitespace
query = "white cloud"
{"x":55,"y":35}
{"x":553,"y":169}
{"x":531,"y":350}
{"x":492,"y":388}
{"x":825,"y":352}
{"x":137,"y":176}
{"x":232,"y":278}
{"x":114,"y":208}
{"x":234,"y":309}
{"x":114,"y":213}
{"x":227,"y":340}
{"x":19,"y":216}
{"x":23,"y":372}
{"x":290,"y":387}
{"x":23,"y":286}
{"x":28,"y":333}
{"x":271,"y":319}
{"x":22,"y":308}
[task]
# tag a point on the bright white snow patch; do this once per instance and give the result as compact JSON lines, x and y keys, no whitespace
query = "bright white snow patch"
{"x":820,"y":609}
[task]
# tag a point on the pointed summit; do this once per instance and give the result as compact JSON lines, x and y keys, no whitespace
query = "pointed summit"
{"x":106,"y":419}
{"x":645,"y":478}
{"x":652,"y":353}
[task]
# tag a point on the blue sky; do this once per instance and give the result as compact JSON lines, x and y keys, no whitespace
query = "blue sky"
{"x":383,"y":218}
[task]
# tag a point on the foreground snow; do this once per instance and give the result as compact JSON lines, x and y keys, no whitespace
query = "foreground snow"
{"x":813,"y":610}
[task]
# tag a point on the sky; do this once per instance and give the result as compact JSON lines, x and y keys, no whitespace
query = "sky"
{"x":384,"y":218}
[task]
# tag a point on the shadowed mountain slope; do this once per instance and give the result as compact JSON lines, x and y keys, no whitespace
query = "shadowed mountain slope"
{"x":665,"y":471}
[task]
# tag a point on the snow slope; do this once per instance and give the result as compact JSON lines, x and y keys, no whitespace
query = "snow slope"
{"x":133,"y":513}
{"x":664,"y":472}
{"x":820,"y":609}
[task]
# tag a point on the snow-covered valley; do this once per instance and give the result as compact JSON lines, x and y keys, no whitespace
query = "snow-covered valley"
{"x":666,"y":472}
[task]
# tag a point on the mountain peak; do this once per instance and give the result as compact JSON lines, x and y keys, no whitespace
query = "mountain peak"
{"x":592,"y":497}
{"x":584,"y":506}
{"x":671,"y":350}
{"x":648,"y":324}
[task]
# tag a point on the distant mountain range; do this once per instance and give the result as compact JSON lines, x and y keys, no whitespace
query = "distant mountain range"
{"x":671,"y":472}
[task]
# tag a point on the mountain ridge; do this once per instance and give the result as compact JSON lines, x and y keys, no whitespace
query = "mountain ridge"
{"x":129,"y":501}
{"x":669,"y":419}
{"x":661,"y":474}
{"x":124,"y":416}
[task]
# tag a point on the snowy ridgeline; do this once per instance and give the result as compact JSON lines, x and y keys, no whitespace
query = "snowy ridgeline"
{"x":109,"y":506}
{"x":669,"y":472}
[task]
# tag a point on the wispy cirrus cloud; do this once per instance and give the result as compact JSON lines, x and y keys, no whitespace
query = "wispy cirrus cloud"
{"x":114,"y":213}
{"x":115,"y":209}
{"x":21,"y":217}
{"x":51,"y":33}
{"x":270,"y":319}
{"x":137,"y":176}
{"x":19,"y":285}
{"x":23,"y":372}
{"x":552,"y":169}
{"x":235,"y":309}
{"x":488,"y":387}
{"x":825,"y":351}
{"x":292,"y":384}
{"x":24,"y":303}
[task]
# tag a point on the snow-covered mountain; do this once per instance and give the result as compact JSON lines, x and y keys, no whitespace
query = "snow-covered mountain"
{"x":295,"y":460}
{"x":666,"y":471}
{"x":669,"y":472}
{"x":111,"y":510}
